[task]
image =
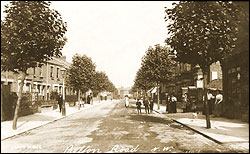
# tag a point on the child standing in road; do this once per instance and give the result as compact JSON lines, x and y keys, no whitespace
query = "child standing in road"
{"x":151,"y":105}
{"x":138,"y":105}
{"x":146,"y":104}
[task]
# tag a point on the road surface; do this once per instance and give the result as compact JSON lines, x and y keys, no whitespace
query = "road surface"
{"x":110,"y":127}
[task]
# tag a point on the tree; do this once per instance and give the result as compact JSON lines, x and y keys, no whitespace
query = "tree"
{"x":98,"y":82}
{"x":142,"y":82}
{"x":80,"y":74}
{"x":158,"y":64}
{"x":31,"y":33}
{"x":110,"y":86}
{"x":101,"y":83}
{"x":115,"y":94}
{"x":203,"y":33}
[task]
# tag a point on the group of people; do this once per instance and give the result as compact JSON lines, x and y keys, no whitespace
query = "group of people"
{"x":83,"y":99}
{"x":148,"y":104}
{"x":145,"y":101}
{"x":81,"y":103}
{"x":171,"y":104}
{"x":214,"y":103}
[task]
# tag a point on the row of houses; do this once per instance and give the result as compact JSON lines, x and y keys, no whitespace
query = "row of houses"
{"x":188,"y":75}
{"x":232,"y":80}
{"x":41,"y":80}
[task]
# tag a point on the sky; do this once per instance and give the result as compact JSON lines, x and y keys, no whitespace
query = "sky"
{"x":114,"y":34}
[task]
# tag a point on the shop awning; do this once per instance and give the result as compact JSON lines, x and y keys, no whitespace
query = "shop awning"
{"x":154,"y":90}
{"x":215,"y":84}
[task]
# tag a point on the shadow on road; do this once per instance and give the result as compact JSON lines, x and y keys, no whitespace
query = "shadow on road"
{"x":151,"y":119}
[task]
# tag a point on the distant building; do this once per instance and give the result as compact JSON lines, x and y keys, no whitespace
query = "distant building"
{"x":123,"y":91}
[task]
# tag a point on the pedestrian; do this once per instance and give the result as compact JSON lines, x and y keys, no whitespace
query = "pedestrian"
{"x":218,"y":104}
{"x":82,"y":101}
{"x":146,"y":105}
{"x":126,"y":101}
{"x":166,"y":97}
{"x":173,"y":103}
{"x":185,"y":102}
{"x":210,"y":102}
{"x":138,"y":106}
{"x":88,"y":99}
{"x":169,"y":104}
{"x":141,"y":100}
{"x":60,"y":101}
{"x":91,"y":98}
{"x":151,"y":105}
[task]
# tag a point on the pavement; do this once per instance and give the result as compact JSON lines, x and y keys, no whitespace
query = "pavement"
{"x":222,"y":131}
{"x":36,"y":120}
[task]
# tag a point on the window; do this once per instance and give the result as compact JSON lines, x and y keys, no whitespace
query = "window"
{"x":34,"y":72}
{"x":38,"y":88}
{"x":188,"y":67}
{"x":51,"y":71}
{"x":57,"y":72}
{"x":214,"y":75}
{"x":221,"y":75}
{"x":41,"y":71}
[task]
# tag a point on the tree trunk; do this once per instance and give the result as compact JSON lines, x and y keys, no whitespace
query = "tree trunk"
{"x":224,"y":88}
{"x":20,"y":94}
{"x":86,"y":99}
{"x":63,"y":106}
{"x":78,"y":95}
{"x":158,"y":96}
{"x":205,"y":96}
{"x":99,"y":97}
{"x":2,"y":104}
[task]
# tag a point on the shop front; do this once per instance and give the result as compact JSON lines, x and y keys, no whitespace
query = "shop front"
{"x":236,"y":87}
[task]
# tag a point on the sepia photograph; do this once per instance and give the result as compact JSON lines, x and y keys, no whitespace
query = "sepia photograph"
{"x":124,"y":76}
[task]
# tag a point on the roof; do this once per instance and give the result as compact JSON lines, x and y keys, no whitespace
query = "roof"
{"x":60,"y":62}
{"x":126,"y":89}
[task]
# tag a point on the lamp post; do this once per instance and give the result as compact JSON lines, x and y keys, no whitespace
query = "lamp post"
{"x":63,"y":70}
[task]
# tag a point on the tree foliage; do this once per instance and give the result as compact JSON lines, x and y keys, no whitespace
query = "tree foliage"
{"x":81,"y":73}
{"x":101,"y":83}
{"x":158,"y":63}
{"x":203,"y":32}
{"x":98,"y":82}
{"x":111,"y":87}
{"x":156,"y":67}
{"x":142,"y":81}
{"x":31,"y":33}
